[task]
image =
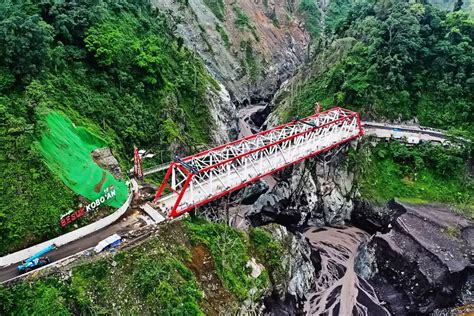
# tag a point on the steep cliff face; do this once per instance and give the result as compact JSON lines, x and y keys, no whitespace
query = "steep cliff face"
{"x":418,"y":259}
{"x":317,"y":192}
{"x":300,"y":264}
{"x":424,"y":262}
{"x":252,"y":48}
{"x":249,"y":46}
{"x":301,"y":90}
{"x":223,"y":112}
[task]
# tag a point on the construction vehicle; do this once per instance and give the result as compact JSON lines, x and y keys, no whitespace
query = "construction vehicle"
{"x":37,"y":260}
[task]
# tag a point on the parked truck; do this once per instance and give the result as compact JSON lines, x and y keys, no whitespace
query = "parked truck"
{"x":37,"y":260}
{"x":109,"y":242}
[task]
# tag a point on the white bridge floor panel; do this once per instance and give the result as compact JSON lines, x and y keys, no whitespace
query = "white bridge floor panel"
{"x":195,"y":194}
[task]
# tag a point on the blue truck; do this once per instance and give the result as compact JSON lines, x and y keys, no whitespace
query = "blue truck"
{"x":37,"y":260}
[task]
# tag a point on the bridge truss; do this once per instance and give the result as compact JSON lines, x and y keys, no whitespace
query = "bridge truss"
{"x":198,"y":179}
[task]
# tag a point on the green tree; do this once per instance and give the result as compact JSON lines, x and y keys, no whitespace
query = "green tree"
{"x":25,"y":42}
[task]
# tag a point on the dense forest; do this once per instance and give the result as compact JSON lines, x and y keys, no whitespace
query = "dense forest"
{"x":114,"y":72}
{"x":396,"y":60}
{"x":114,"y":68}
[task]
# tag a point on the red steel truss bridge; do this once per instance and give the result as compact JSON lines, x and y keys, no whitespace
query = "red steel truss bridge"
{"x":195,"y":180}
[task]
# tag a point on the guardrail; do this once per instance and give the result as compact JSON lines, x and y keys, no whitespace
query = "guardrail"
{"x":407,"y":128}
{"x":163,"y":166}
{"x":66,"y":238}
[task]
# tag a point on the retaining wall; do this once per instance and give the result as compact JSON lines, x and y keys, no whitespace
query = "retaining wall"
{"x":68,"y":237}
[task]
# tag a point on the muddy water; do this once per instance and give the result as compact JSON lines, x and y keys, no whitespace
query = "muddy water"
{"x":338,"y":290}
{"x":245,"y":122}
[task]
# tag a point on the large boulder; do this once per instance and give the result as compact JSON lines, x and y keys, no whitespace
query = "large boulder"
{"x":252,"y":192}
{"x":373,"y":218}
{"x":315,"y":193}
{"x":274,"y":207}
{"x":423,"y":262}
{"x":104,"y":158}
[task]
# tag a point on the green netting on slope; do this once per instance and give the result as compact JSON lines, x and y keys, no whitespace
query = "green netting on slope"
{"x":67,"y":152}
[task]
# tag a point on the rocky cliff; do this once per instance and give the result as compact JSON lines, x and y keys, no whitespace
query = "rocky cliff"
{"x":252,"y":48}
{"x":424,"y":262}
{"x":249,"y":47}
{"x":411,"y":258}
{"x":317,"y":192}
{"x":300,"y":264}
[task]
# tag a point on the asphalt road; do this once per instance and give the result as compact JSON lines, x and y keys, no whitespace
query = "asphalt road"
{"x":123,"y":226}
{"x":77,"y":246}
{"x":415,"y":133}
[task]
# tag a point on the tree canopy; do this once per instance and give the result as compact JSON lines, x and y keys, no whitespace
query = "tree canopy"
{"x":113,"y":67}
{"x":407,"y":59}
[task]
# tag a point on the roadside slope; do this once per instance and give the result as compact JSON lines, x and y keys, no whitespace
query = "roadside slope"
{"x":118,"y":74}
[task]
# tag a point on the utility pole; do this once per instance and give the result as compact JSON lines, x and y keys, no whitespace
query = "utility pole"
{"x":137,"y":164}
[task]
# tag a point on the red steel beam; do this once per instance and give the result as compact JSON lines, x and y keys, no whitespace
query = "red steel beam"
{"x":205,"y":201}
{"x":165,"y":182}
{"x":277,"y":142}
{"x":174,"y":212}
{"x":269,"y":131}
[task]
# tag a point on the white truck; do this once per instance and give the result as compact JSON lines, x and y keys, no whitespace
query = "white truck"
{"x":109,"y":242}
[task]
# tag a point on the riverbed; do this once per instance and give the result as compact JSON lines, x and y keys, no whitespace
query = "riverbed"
{"x":338,"y":289}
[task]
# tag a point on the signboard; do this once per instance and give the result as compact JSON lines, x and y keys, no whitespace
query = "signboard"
{"x":72,"y":216}
{"x":137,"y":165}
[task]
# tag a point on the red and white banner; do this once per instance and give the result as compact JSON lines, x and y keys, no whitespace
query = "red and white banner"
{"x":137,"y":166}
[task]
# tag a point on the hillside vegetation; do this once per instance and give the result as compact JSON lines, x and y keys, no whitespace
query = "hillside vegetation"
{"x":191,"y":268}
{"x":113,"y":68}
{"x":420,"y":174}
{"x":404,"y":60}
{"x":396,"y":60}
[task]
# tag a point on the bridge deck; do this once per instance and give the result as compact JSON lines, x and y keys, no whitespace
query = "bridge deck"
{"x":216,"y":178}
{"x":260,"y":168}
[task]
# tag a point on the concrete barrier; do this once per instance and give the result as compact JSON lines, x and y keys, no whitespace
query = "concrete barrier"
{"x":68,"y":237}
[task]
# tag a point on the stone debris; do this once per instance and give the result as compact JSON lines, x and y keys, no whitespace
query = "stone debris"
{"x":104,"y":158}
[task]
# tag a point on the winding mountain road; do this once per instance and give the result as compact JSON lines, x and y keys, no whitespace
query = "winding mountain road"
{"x":409,"y":134}
{"x":121,"y":226}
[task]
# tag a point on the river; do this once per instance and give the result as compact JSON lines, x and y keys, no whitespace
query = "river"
{"x":338,"y":289}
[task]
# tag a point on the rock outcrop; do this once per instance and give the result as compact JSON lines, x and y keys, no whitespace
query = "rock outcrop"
{"x":300,"y":263}
{"x":245,"y":47}
{"x":373,"y":218}
{"x":249,"y":47}
{"x":420,"y":257}
{"x":424,"y":262}
{"x":104,"y":158}
{"x":223,"y":112}
{"x":317,"y":192}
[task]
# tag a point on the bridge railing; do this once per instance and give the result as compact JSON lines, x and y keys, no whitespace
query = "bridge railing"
{"x":232,"y":166}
